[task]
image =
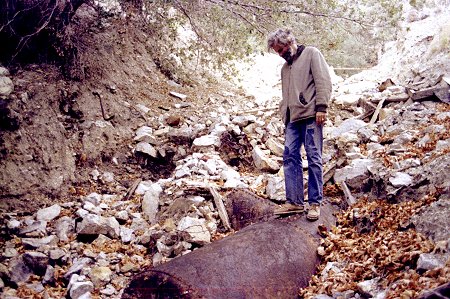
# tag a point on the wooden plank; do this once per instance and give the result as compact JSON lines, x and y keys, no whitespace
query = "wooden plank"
{"x":377,"y":111}
{"x":348,"y":195}
{"x":220,"y":207}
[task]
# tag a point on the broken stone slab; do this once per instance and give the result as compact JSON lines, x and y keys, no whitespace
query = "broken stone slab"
{"x":36,"y":243}
{"x":262,"y":162}
{"x":36,"y":261}
{"x":355,"y":174}
{"x":150,"y":202}
{"x":93,"y":224}
{"x":146,"y":148}
{"x":347,"y":125}
{"x":34,"y":229}
{"x":195,"y":229}
{"x":48,"y":214}
{"x":275,"y":147}
{"x":440,"y":90}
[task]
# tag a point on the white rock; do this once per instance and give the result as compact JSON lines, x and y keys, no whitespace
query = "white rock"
{"x":400,"y":179}
{"x":262,"y":162}
{"x":143,"y":132}
{"x":275,"y":147}
{"x":146,"y":148}
{"x":48,"y":214}
{"x":93,"y":198}
{"x":6,"y":86}
{"x":196,"y":230}
{"x":347,"y":99}
{"x":207,"y":140}
{"x":348,"y":125}
{"x":126,"y":234}
{"x":80,"y":290}
{"x":100,"y":276}
{"x":243,"y":120}
{"x":355,"y":173}
{"x":150,"y":203}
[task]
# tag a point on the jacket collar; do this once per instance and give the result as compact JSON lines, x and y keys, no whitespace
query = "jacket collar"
{"x":300,"y":49}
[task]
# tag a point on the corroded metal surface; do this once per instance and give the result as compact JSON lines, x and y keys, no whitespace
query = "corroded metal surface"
{"x":270,"y":259}
{"x":245,"y":208}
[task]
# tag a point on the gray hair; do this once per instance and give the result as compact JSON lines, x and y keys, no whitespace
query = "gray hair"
{"x":280,"y":37}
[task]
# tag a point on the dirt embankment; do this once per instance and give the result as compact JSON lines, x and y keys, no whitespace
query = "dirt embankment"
{"x":62,"y":130}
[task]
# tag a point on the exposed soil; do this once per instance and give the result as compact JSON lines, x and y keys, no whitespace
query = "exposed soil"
{"x":62,"y":134}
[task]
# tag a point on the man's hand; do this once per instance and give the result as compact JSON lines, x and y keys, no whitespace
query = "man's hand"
{"x":321,"y":117}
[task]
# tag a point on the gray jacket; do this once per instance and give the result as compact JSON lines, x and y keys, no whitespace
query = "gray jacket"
{"x":306,"y":86}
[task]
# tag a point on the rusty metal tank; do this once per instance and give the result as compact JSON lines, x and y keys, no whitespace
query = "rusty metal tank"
{"x":271,"y":258}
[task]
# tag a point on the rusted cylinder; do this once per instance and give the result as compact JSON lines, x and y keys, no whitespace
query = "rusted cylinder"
{"x":271,"y":259}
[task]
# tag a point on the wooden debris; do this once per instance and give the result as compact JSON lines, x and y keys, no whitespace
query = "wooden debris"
{"x":220,"y":207}
{"x":377,"y":111}
{"x":133,"y":188}
{"x":256,"y":110}
{"x":348,"y":195}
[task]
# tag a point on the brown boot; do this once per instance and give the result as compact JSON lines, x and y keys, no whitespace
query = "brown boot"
{"x":313,"y":213}
{"x":289,"y":208}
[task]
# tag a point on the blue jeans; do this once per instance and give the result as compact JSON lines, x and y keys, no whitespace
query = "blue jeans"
{"x":309,"y":134}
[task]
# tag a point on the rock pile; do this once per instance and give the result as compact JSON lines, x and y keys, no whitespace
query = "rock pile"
{"x":92,"y":246}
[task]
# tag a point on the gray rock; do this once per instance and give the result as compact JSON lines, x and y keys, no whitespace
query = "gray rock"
{"x":81,"y":290}
{"x":100,"y":276}
{"x":150,"y":203}
{"x":126,"y":234}
{"x":262,"y":162}
{"x":434,"y":221}
{"x":369,"y":288}
{"x":108,"y":290}
{"x":429,"y":261}
{"x":122,"y":216}
{"x":18,"y":270}
{"x":354,"y":174}
{"x":36,"y":261}
{"x":146,"y":148}
{"x":96,"y":225}
{"x":65,"y":227}
{"x":348,"y":126}
{"x":195,"y":229}
{"x":4,"y":71}
{"x":275,"y":147}
{"x":56,"y":254}
{"x":13,"y":225}
{"x":275,"y":188}
{"x":6,"y":87}
{"x":49,"y":276}
{"x":77,"y":266}
{"x":36,"y":228}
{"x":10,"y":252}
{"x":48,"y":214}
{"x":243,"y":120}
{"x":36,"y":243}
{"x":93,"y":198}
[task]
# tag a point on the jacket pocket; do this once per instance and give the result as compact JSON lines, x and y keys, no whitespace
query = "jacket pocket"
{"x":302,"y":99}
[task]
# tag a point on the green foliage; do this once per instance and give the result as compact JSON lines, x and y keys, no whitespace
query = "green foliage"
{"x":348,"y":33}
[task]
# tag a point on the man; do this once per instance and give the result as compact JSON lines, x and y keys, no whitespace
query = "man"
{"x":306,"y":90}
